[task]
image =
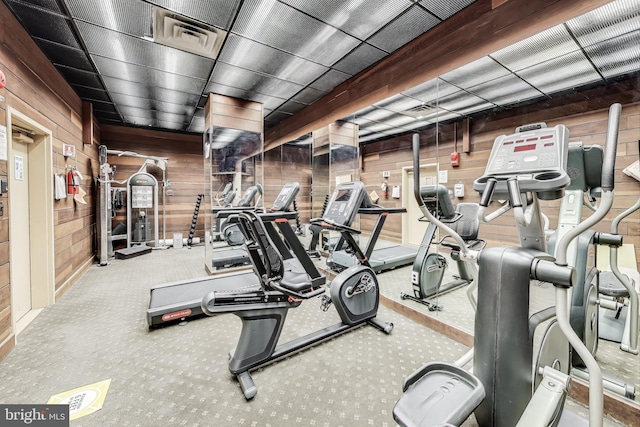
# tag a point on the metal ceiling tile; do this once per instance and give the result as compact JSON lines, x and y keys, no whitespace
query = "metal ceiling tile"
{"x":359,"y":59}
{"x":255,"y":56}
{"x":475,"y":72}
{"x":378,"y":127}
{"x":359,"y":18}
{"x":254,"y":82}
{"x":463,"y":102}
{"x":197,"y":124}
{"x":122,"y":100}
{"x":443,"y":9}
{"x":309,"y":95}
{"x":107,"y":116}
{"x":119,"y":86}
{"x":291,"y":107}
{"x":218,"y":13}
{"x":172,"y":125}
{"x":51,"y":5}
{"x":405,"y":28}
{"x":105,"y":107}
{"x":616,"y":56}
{"x":399,"y":120}
{"x":122,"y":47}
{"x":80,"y":77}
{"x":506,"y":90}
{"x":302,"y":35}
{"x":140,"y":113}
{"x":148,"y":76}
{"x":278,"y":116}
{"x":328,"y":81}
{"x":45,"y":25}
{"x":268,"y":102}
{"x":152,"y":104}
{"x":537,"y":49}
{"x":398,"y":103}
{"x":65,"y":55}
{"x":563,"y":73}
{"x":91,"y":94}
{"x":132,"y":17}
{"x":430,"y":91}
{"x":611,"y":20}
{"x":375,"y":114}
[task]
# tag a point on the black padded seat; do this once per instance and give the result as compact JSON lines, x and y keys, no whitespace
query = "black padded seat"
{"x":611,"y":286}
{"x":295,"y":278}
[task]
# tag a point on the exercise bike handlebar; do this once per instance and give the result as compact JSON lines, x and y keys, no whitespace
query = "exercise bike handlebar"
{"x":464,"y":250}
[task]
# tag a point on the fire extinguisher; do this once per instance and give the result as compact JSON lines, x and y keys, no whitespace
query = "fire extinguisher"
{"x":455,"y":156}
{"x":383,"y":188}
{"x":73,"y":182}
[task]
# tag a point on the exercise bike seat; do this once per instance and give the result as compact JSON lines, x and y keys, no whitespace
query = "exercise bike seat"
{"x":611,"y":286}
{"x":294,"y":277}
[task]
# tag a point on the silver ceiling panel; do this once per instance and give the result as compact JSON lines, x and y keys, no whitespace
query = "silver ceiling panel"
{"x":268,"y":102}
{"x":308,"y":95}
{"x":132,"y":17}
{"x":151,"y":92}
{"x":430,"y":91}
{"x":45,"y":25}
{"x":170,"y":125}
{"x":399,"y":120}
{"x":218,"y":13}
{"x":65,"y":55}
{"x":80,"y":77}
{"x":104,"y":108}
{"x":122,"y":47}
{"x":263,"y":21}
{"x":359,"y":18}
{"x":278,"y":116}
{"x":132,"y":101}
{"x":197,"y":122}
{"x":51,"y":5}
{"x":143,"y":113}
{"x":616,"y":56}
{"x":148,"y":76}
{"x":359,"y":59}
{"x":612,"y":20}
{"x":475,"y":72}
{"x":537,"y":49}
{"x":328,"y":81}
{"x":398,"y":103}
{"x":374,"y":114}
{"x":567,"y":72}
{"x":255,"y":82}
{"x":254,"y":56}
{"x":506,"y":90}
{"x":378,"y":127}
{"x":443,"y":9}
{"x":91,"y":94}
{"x":463,"y":102}
{"x":291,"y":107}
{"x":405,"y":28}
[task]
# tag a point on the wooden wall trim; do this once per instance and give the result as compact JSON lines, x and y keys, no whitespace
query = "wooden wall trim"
{"x":7,"y":345}
{"x":63,"y":287}
{"x":476,"y":31}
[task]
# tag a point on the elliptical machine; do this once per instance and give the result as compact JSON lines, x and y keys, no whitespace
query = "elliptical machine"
{"x":508,"y":386}
{"x":429,"y":267}
{"x":288,"y":277}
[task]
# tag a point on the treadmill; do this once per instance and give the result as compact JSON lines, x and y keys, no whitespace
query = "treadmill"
{"x":178,"y":301}
{"x":235,"y":256}
{"x":380,"y":259}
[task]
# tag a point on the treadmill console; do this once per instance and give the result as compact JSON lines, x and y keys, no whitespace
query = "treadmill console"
{"x":536,"y":156}
{"x":248,"y":196}
{"x":344,"y":203}
{"x":286,"y":197}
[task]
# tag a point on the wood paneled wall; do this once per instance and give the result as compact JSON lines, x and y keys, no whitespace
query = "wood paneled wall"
{"x":584,"y":113}
{"x":37,"y":90}
{"x":185,"y":171}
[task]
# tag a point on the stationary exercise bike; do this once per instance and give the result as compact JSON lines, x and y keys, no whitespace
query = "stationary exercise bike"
{"x":429,"y":266}
{"x":288,"y":277}
{"x":508,"y":386}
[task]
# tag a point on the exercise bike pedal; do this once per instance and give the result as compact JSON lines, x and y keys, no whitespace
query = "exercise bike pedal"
{"x":325,"y":302}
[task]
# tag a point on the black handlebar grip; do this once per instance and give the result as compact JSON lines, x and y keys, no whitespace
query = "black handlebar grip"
{"x":485,"y":199}
{"x":611,"y":147}
{"x":547,"y":271}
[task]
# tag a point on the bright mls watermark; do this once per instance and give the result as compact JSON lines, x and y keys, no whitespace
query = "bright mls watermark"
{"x":34,"y":415}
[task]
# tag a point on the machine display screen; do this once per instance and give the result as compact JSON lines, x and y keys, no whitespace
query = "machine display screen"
{"x":343,"y":195}
{"x":524,"y":148}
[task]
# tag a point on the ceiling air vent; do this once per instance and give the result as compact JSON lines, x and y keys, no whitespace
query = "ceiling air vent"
{"x":420,"y":111}
{"x":178,"y":31}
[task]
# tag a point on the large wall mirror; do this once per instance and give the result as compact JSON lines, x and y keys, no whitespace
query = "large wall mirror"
{"x":234,"y":172}
{"x":567,"y":75}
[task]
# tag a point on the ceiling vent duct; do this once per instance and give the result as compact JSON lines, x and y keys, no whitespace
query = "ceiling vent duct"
{"x":180,"y":32}
{"x":420,"y":111}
